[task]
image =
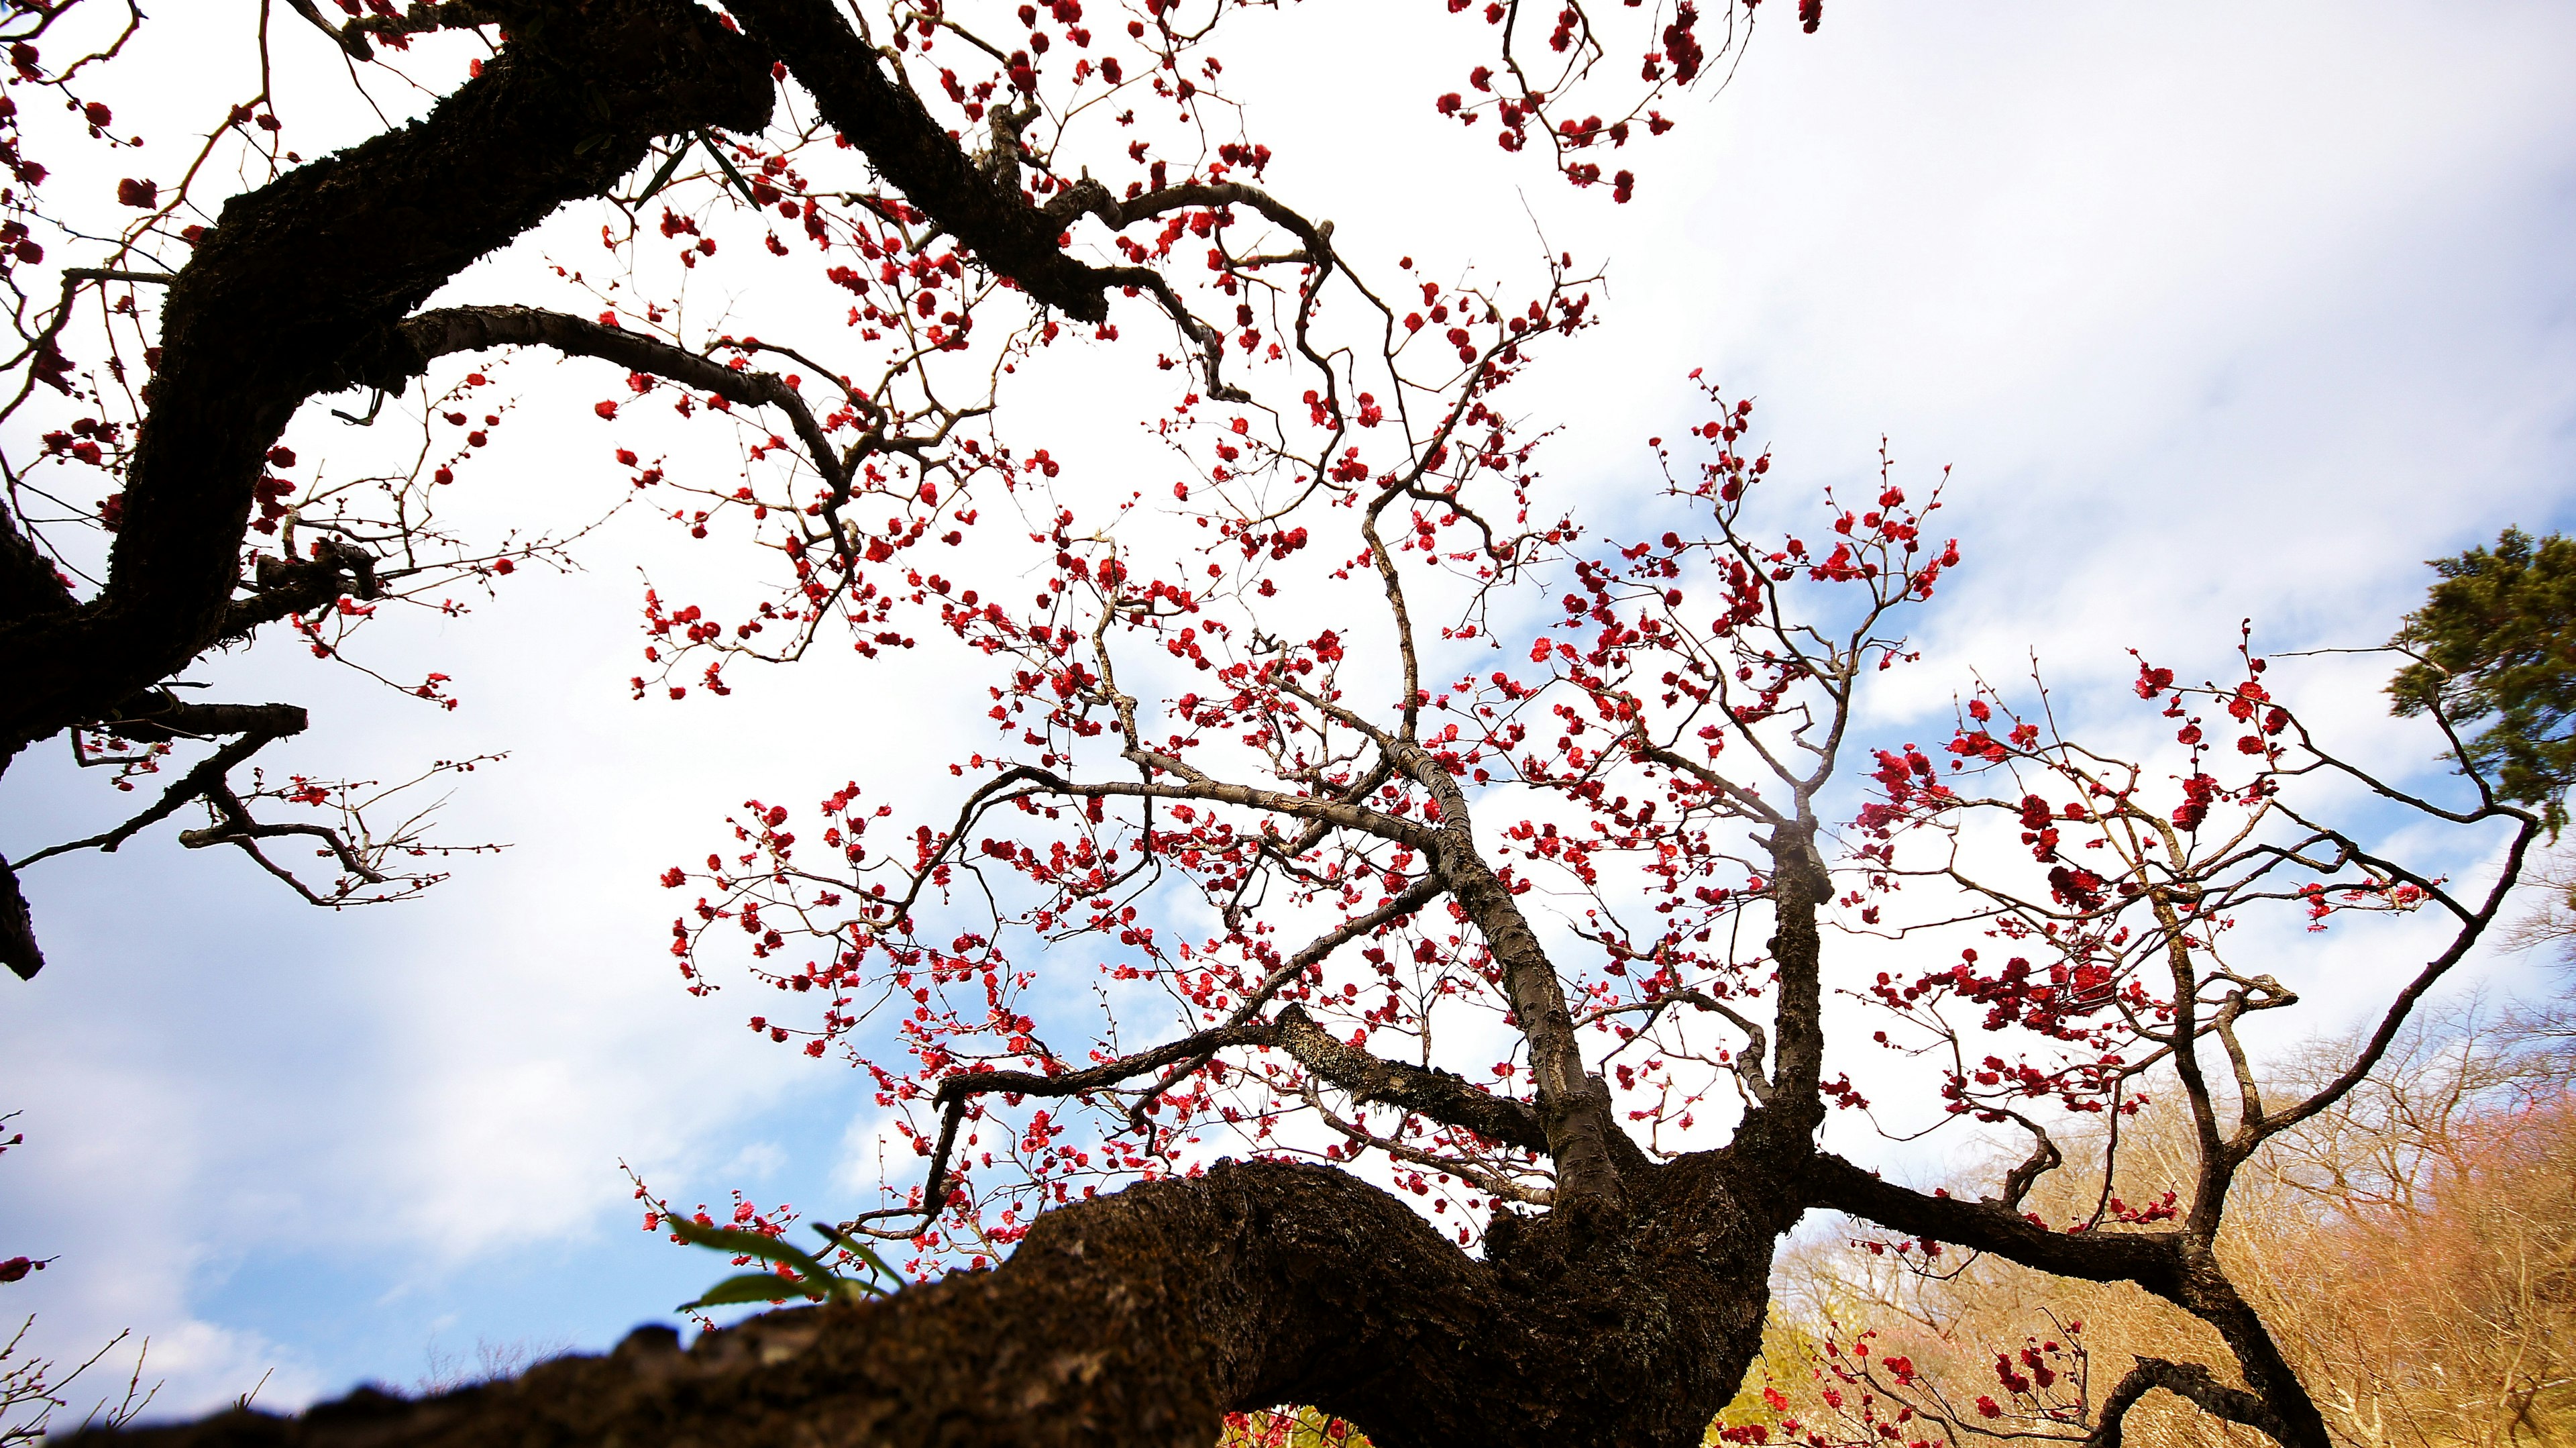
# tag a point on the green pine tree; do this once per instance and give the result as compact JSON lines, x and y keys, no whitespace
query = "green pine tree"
{"x":2496,"y":639}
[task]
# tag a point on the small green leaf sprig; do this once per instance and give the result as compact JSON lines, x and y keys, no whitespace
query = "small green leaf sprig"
{"x":814,"y":1280}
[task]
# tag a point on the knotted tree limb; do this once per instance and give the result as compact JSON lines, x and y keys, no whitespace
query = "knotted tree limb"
{"x":2177,"y":1266}
{"x":288,"y":586}
{"x":18,"y":948}
{"x":2151,"y":1259}
{"x":407,"y":350}
{"x":981,"y":205}
{"x":1441,"y":1096}
{"x":157,"y":718}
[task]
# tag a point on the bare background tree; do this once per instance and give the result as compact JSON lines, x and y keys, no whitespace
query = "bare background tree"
{"x":2410,"y":1245}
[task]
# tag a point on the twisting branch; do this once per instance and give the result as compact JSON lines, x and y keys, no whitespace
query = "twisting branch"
{"x":1748,"y":1062}
{"x":259,"y":725}
{"x":2044,"y":1158}
{"x":1439,"y":1095}
{"x":2150,"y":1259}
{"x":914,"y":152}
{"x":1361,"y":1136}
{"x":289,"y":586}
{"x":2189,"y":1380}
{"x":1422,"y":892}
{"x":156,"y":718}
{"x":408,"y":350}
{"x":2394,"y":1018}
{"x":326,"y":261}
{"x":1088,"y":197}
{"x":234,"y":826}
{"x":360,"y":850}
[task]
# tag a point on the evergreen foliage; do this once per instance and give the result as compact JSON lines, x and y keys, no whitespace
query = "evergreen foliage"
{"x":2496,"y":639}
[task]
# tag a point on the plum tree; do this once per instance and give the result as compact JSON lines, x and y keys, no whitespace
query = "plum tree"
{"x":1474,"y":873}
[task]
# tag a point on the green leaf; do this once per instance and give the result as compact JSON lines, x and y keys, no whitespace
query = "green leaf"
{"x":662,"y":177}
{"x":727,"y":163}
{"x":752,"y":1287}
{"x":729,"y":1239}
{"x":864,"y":1253}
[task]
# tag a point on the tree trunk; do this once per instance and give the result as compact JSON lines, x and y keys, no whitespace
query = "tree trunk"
{"x":1144,"y":1317}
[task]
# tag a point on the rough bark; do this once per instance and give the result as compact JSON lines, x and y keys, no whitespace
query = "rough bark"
{"x":1573,"y":1108}
{"x":1801,"y":885}
{"x":18,"y":948}
{"x":1145,"y":1316}
{"x":29,"y":586}
{"x":1142,"y":1318}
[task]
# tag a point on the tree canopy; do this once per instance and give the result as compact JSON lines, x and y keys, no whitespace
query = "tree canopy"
{"x":1387,"y":946}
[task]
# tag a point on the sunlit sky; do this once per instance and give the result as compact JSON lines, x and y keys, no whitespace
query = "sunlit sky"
{"x":2214,"y":312}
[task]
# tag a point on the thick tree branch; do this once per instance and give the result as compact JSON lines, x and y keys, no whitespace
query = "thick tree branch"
{"x":472,"y":329}
{"x":2150,"y":1259}
{"x":1574,"y":1107}
{"x":1359,"y":1136}
{"x":1141,"y":1318}
{"x":409,"y":348}
{"x":157,"y":717}
{"x":199,"y":782}
{"x":2287,"y":1411}
{"x":297,"y":275}
{"x":882,"y":117}
{"x":1439,"y":1095}
{"x":2189,"y":1380}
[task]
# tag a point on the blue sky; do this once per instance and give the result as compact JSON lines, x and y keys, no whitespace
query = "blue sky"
{"x":2215,"y":311}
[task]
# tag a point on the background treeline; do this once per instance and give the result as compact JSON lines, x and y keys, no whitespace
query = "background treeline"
{"x":2413,"y":1249}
